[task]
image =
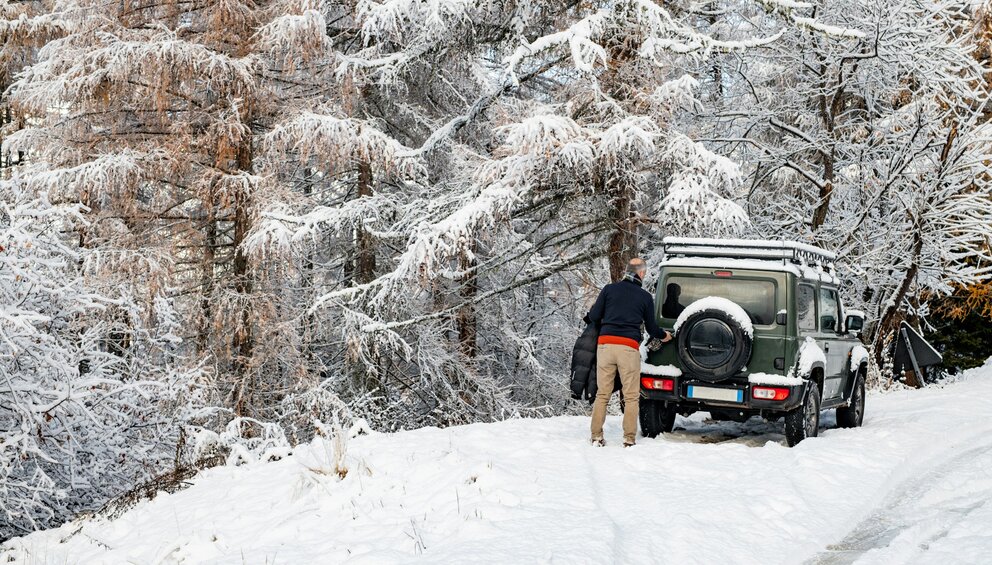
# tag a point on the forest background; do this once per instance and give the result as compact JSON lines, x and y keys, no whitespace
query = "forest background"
{"x":231,"y":224}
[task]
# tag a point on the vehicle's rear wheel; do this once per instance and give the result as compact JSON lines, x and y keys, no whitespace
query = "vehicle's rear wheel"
{"x":853,"y":415}
{"x":804,"y":421}
{"x":656,"y":418}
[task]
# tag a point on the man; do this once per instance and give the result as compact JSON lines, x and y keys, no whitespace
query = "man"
{"x":619,"y":311}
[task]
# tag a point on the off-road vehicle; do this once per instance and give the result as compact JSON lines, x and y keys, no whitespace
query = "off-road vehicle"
{"x":760,"y":330}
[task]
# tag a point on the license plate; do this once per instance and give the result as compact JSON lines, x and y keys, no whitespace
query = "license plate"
{"x":721,"y":394}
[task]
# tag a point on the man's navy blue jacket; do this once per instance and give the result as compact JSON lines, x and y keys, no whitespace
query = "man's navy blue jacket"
{"x":621,"y":309}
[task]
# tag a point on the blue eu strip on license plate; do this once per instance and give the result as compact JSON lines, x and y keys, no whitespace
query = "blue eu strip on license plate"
{"x":713,"y":393}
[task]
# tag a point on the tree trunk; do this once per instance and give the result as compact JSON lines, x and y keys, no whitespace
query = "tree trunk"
{"x":207,"y":275}
{"x":243,"y":341}
{"x":827,"y":188}
{"x":4,"y":120}
{"x":822,"y":207}
{"x":887,"y":321}
{"x":466,"y":321}
{"x":364,"y":241}
{"x":622,"y":245}
{"x":307,"y":321}
{"x":623,"y":241}
{"x":716,"y":68}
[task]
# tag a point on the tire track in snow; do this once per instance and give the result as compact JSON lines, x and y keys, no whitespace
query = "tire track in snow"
{"x":908,"y":513}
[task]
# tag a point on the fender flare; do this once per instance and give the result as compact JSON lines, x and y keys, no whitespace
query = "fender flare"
{"x":808,"y":377}
{"x":863,"y":366}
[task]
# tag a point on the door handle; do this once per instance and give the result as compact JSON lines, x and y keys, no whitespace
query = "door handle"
{"x":826,"y":348}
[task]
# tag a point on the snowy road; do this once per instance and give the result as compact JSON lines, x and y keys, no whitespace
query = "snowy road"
{"x":913,"y":485}
{"x":943,"y":516}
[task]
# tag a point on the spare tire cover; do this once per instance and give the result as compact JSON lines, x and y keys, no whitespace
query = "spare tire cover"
{"x":712,"y":345}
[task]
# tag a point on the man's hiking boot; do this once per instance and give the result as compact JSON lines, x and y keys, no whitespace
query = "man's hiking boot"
{"x":598,"y":442}
{"x":629,"y":443}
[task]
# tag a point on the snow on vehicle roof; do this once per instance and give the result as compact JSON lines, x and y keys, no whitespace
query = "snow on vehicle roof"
{"x":751,"y":244}
{"x":802,"y":271}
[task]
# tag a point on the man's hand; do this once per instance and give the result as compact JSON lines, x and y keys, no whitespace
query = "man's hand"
{"x":668,"y":337}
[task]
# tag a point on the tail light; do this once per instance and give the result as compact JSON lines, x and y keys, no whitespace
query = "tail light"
{"x":652,"y":383}
{"x":769,"y":393}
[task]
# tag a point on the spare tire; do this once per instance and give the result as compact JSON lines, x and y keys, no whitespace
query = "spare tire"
{"x":712,"y":344}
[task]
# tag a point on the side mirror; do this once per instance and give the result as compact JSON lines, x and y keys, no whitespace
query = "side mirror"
{"x":854,"y":323}
{"x":782,"y":318}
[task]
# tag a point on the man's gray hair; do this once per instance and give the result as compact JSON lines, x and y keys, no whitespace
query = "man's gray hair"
{"x":636,"y":265}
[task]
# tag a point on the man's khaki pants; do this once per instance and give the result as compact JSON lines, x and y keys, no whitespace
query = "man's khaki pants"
{"x":611,"y":358}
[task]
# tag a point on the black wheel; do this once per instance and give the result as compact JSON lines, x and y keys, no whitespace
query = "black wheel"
{"x":655,"y":418}
{"x":713,"y":346}
{"x":853,"y":415}
{"x":804,"y":421}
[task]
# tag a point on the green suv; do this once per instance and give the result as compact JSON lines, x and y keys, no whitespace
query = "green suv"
{"x":760,"y":330}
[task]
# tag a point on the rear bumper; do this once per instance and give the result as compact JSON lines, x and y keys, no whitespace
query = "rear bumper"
{"x":680,"y":396}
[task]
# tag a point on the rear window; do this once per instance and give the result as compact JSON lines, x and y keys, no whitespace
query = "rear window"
{"x":756,"y":297}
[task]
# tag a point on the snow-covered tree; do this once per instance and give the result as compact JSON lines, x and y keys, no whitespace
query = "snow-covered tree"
{"x":306,"y":210}
{"x":866,"y":134}
{"x":78,"y":423}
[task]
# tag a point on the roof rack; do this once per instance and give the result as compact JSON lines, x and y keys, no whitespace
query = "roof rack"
{"x":793,"y":251}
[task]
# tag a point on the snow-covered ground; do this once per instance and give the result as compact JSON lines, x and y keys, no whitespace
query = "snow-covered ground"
{"x":913,"y":485}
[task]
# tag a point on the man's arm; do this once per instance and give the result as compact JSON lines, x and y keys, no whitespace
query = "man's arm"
{"x":598,"y":309}
{"x":651,"y":323}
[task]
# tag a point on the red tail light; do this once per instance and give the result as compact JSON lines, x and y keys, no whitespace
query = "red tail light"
{"x":769,"y":393}
{"x":653,"y":383}
{"x":723,"y":273}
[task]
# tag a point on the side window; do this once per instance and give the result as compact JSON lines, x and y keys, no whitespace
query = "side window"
{"x":805,"y":299}
{"x":829,"y":311}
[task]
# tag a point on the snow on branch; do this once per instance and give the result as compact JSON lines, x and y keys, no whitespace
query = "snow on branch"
{"x":831,"y":30}
{"x":665,"y":34}
{"x":676,"y":94}
{"x":340,"y":143}
{"x":631,"y":140}
{"x":790,"y":7}
{"x":162,"y":61}
{"x":280,"y":230}
{"x":300,"y":36}
{"x":579,"y":37}
{"x":66,"y":410}
{"x":533,"y":150}
{"x":694,"y":204}
{"x":786,"y":6}
{"x":389,"y":20}
{"x":110,"y":174}
{"x":26,"y":27}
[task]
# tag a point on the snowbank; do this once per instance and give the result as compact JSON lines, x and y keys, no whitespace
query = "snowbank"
{"x":534,"y":491}
{"x":716,"y":303}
